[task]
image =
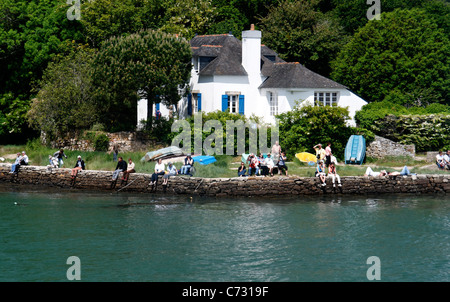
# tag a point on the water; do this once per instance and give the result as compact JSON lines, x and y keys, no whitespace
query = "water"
{"x":127,"y":237}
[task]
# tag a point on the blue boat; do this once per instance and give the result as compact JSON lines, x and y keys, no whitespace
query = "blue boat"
{"x":355,"y":151}
{"x":204,"y":159}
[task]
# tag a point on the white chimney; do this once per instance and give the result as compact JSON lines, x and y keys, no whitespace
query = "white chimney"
{"x":251,"y":51}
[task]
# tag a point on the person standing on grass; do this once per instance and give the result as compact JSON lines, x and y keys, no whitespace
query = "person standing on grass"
{"x":276,"y":152}
{"x":282,"y":164}
{"x":115,"y":151}
{"x":320,"y":152}
{"x":59,"y":155}
{"x":328,"y":155}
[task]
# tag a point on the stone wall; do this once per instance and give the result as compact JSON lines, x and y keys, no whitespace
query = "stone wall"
{"x":126,"y":141}
{"x":382,"y":147}
{"x":252,"y":186}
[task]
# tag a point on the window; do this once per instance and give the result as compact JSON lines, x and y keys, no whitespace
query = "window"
{"x":204,"y":61}
{"x":233,"y":103}
{"x":273,"y":103}
{"x":326,"y":98}
{"x":195,"y":102}
{"x":271,"y":58}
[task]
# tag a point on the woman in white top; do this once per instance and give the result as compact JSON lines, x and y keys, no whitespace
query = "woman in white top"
{"x":159,"y":170}
{"x":269,"y":163}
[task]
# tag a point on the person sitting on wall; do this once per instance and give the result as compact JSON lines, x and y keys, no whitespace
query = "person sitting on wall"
{"x":332,"y":173}
{"x":188,"y":164}
{"x":159,"y":170}
{"x":440,"y":161}
{"x":15,"y":165}
{"x":130,"y":169}
{"x":282,"y":164}
{"x":121,"y":166}
{"x":253,"y":165}
{"x":171,"y":171}
{"x":242,"y":170}
{"x":59,"y":155}
{"x":320,"y":172}
{"x":447,"y":160}
{"x":262,"y":165}
{"x":269,"y":163}
{"x":79,"y":165}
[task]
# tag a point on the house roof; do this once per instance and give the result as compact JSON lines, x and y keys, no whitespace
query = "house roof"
{"x":295,"y":75}
{"x":227,"y":52}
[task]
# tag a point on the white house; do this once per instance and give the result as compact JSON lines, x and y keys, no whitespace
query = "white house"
{"x":249,"y":78}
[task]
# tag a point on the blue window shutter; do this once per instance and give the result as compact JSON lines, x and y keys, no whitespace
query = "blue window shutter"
{"x":224,"y":102}
{"x":157,"y":106}
{"x":189,"y":104}
{"x":241,"y":104}
{"x":199,"y":101}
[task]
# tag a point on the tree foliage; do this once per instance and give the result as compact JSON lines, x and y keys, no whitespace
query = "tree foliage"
{"x":299,"y":32}
{"x":151,"y":63}
{"x":402,"y":57}
{"x":31,"y":34}
{"x":65,"y":101}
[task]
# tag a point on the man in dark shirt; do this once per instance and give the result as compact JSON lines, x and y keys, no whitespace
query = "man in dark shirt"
{"x":121,"y":166}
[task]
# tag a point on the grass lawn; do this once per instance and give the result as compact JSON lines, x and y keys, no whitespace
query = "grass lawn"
{"x":226,"y":166}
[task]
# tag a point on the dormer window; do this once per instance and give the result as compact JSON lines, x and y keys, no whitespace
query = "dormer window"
{"x":204,"y":61}
{"x":271,"y":58}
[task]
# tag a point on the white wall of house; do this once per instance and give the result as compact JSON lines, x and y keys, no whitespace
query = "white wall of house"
{"x":256,"y":100}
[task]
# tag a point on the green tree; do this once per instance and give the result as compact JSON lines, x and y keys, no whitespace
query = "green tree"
{"x":103,"y":19}
{"x":65,"y":101}
{"x":188,"y":17}
{"x":299,"y":32}
{"x":149,"y":63}
{"x":353,"y":13}
{"x":403,"y":57}
{"x":31,"y":33}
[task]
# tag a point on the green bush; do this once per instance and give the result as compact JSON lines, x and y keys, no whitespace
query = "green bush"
{"x":101,"y":142}
{"x":303,"y":127}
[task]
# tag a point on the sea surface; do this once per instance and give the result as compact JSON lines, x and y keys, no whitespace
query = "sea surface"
{"x":145,"y":237}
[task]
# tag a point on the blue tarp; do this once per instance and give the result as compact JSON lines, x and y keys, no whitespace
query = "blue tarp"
{"x":204,"y":159}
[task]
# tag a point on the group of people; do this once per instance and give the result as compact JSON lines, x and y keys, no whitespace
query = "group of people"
{"x":443,"y":160}
{"x":326,"y":161}
{"x":171,"y":170}
{"x":21,"y":160}
{"x":263,"y":166}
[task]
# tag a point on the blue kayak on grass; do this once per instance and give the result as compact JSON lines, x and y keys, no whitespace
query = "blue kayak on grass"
{"x":355,"y":150}
{"x":204,"y":159}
